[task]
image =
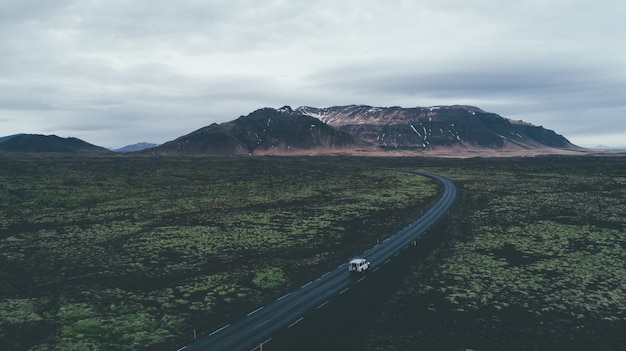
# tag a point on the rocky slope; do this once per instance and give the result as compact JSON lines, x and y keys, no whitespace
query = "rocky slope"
{"x":436,"y":128}
{"x":265,"y":131}
{"x":365,"y":130}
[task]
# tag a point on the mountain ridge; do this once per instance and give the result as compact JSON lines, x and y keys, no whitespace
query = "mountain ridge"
{"x":363,"y":130}
{"x":266,"y":131}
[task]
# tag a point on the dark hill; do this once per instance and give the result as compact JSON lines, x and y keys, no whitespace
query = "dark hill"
{"x":8,"y":137}
{"x":35,"y":143}
{"x":436,"y":128}
{"x":265,"y":131}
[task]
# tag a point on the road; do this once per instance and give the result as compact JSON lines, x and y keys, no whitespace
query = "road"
{"x":258,"y":326}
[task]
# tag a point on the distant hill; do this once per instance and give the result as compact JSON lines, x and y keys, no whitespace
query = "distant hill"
{"x":35,"y":143}
{"x":262,"y":132}
{"x":136,"y":147}
{"x":439,"y":127}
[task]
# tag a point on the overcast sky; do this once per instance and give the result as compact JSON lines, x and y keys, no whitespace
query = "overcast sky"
{"x":118,"y":72}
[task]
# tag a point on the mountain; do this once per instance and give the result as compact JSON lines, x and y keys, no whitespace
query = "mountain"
{"x":265,"y":131}
{"x":365,"y":130}
{"x":8,"y":137}
{"x":136,"y":147}
{"x":458,"y":128}
{"x":34,"y":143}
{"x":354,"y":129}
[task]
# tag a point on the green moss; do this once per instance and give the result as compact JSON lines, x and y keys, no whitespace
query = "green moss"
{"x":150,"y":237}
{"x":269,"y":278}
{"x":19,"y":311}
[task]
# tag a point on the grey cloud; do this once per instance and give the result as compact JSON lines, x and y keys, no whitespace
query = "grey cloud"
{"x":175,"y":66}
{"x":467,"y":83}
{"x":24,"y":10}
{"x":567,"y":97}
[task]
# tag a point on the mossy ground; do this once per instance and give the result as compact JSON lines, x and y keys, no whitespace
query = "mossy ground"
{"x":136,"y":252}
{"x":131,"y":253}
{"x":533,"y":259}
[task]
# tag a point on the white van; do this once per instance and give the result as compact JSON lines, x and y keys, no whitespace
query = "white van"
{"x":358,"y":265}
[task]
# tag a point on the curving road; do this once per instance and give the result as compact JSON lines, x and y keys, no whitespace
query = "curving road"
{"x":258,"y":326}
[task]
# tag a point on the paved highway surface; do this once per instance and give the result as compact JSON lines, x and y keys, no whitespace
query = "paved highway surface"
{"x":258,"y":326}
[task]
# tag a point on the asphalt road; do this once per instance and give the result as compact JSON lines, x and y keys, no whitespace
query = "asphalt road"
{"x":258,"y":326}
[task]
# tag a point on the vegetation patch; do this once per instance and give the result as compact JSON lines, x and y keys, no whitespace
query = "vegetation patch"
{"x":135,"y":252}
{"x":533,"y":260}
{"x":269,"y":278}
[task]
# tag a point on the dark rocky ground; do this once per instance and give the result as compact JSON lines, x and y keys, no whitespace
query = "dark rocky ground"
{"x":532,"y":258}
{"x":422,"y":303}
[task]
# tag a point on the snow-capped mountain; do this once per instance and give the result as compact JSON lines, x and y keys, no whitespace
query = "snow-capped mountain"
{"x":437,"y":127}
{"x":367,"y":130}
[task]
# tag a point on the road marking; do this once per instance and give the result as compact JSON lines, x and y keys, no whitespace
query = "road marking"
{"x":255,"y":311}
{"x":397,"y":253}
{"x":325,"y":274}
{"x":307,"y":284}
{"x":343,"y":291}
{"x":360,"y":280}
{"x":261,"y":324}
{"x":182,"y":348}
{"x":282,"y":297}
{"x":220,"y":329}
{"x":387,"y":260}
{"x":375,"y":269}
{"x":322,"y":305}
{"x":294,"y":323}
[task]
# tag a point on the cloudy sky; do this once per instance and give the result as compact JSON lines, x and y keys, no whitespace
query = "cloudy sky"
{"x":115,"y":72}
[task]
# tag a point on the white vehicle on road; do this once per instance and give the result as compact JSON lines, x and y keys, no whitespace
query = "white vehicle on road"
{"x":358,"y":265}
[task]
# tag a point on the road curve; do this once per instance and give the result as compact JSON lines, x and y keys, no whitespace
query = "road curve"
{"x":258,"y":326}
